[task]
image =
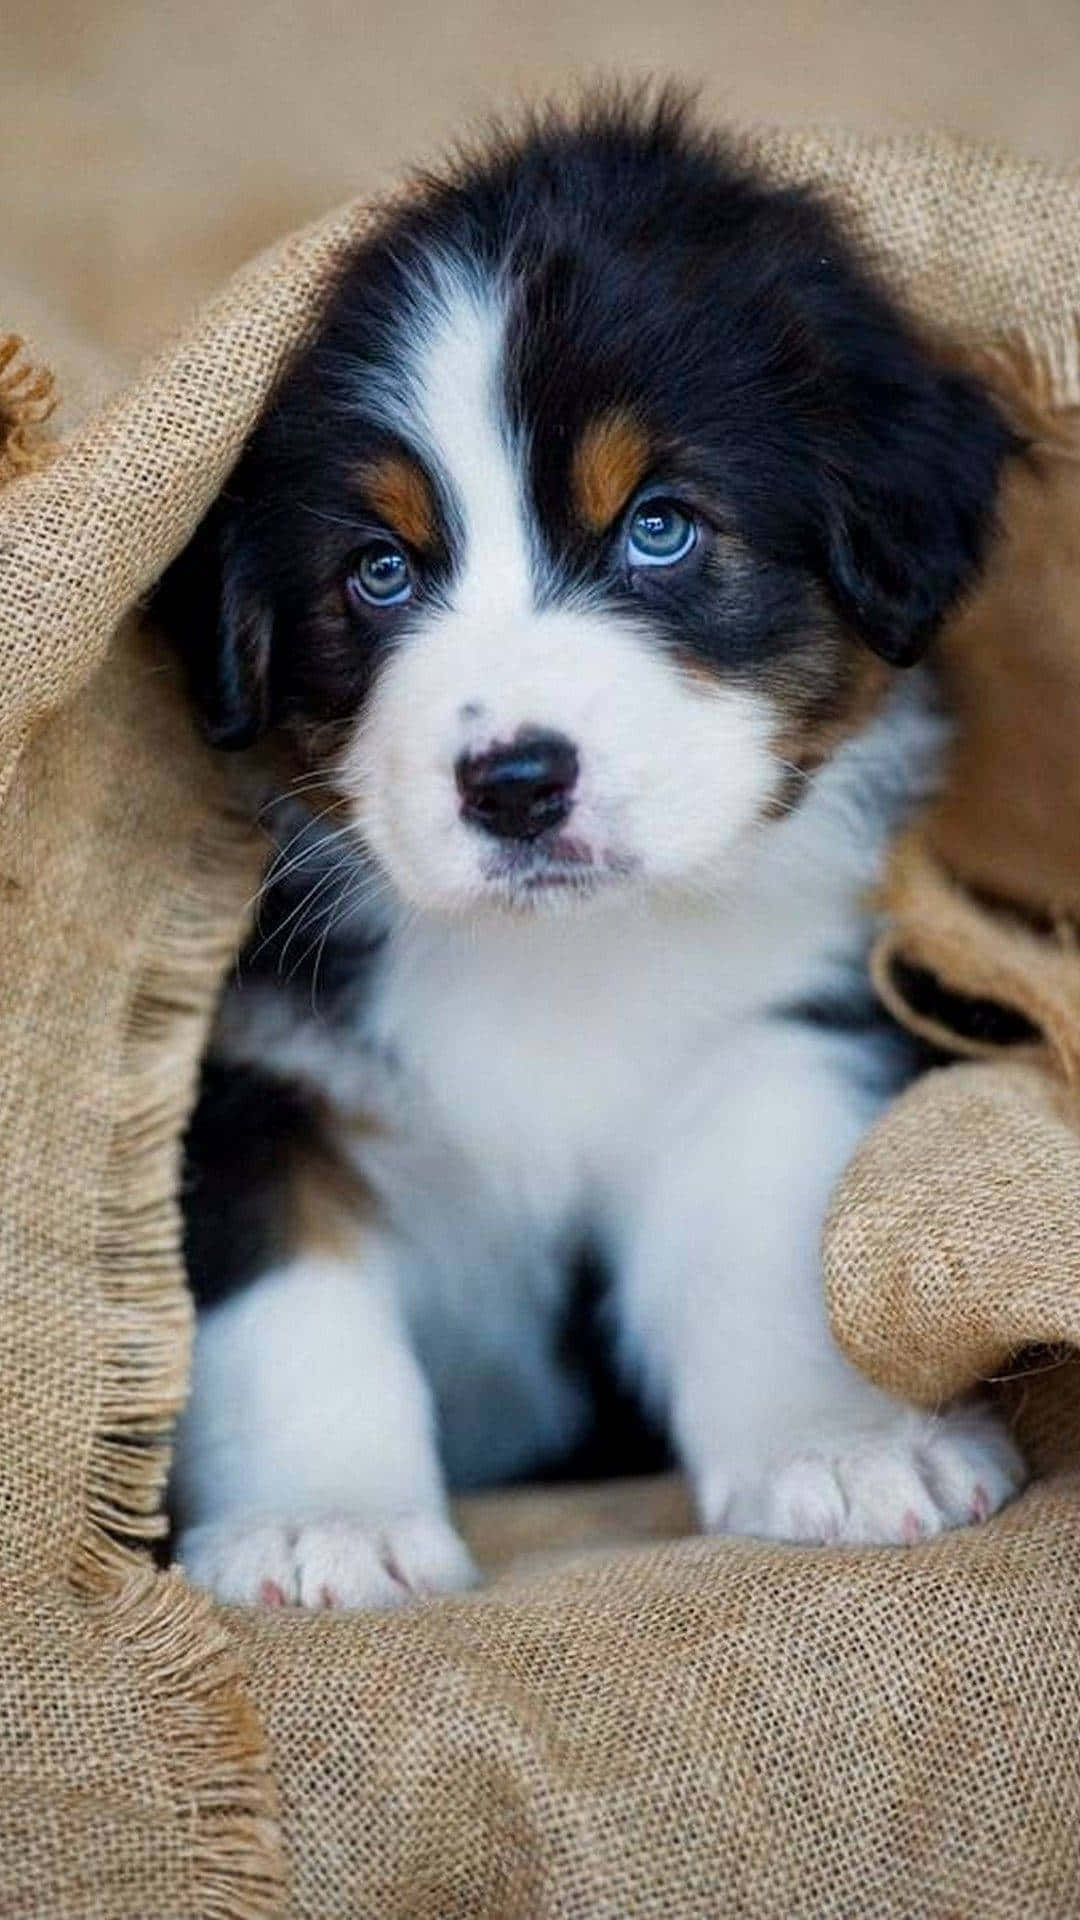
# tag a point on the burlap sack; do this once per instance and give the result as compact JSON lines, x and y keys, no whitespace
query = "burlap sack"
{"x":690,"y":1728}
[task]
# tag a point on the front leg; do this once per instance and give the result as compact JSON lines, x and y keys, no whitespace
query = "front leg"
{"x":306,"y":1463}
{"x":723,"y":1313}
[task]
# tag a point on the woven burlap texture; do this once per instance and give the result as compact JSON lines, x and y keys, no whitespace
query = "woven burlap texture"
{"x":692,"y":1728}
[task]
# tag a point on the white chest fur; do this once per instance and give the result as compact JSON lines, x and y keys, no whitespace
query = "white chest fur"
{"x":550,"y":1050}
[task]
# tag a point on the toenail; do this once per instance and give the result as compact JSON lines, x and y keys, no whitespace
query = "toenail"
{"x":394,"y":1570}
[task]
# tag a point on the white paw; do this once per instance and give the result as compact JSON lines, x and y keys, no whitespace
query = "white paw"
{"x":320,"y":1562}
{"x":902,"y":1484}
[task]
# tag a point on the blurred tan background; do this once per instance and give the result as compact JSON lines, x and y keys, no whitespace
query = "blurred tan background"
{"x":147,"y":148}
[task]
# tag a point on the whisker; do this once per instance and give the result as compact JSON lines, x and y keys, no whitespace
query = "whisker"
{"x":276,"y":873}
{"x":306,"y":903}
{"x":303,"y":783}
{"x":312,"y":820}
{"x":363,"y":890}
{"x":300,"y":908}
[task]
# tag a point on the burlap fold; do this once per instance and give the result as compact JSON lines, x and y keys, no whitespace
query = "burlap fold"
{"x":697,"y":1730}
{"x":691,"y":1728}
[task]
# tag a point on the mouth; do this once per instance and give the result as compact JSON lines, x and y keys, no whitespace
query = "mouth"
{"x":557,"y":866}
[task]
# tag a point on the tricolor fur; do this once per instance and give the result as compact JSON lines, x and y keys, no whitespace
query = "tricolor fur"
{"x":572,"y":565}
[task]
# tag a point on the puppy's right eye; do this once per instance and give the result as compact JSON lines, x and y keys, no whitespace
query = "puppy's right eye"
{"x":379,"y":576}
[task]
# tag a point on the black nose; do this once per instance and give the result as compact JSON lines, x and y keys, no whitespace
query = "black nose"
{"x":520,"y":790}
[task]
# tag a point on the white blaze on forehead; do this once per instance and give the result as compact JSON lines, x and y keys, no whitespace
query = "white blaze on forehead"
{"x":455,"y":415}
{"x":672,"y":774}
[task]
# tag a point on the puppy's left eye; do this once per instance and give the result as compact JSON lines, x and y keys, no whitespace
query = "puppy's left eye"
{"x":660,"y":534}
{"x":379,"y":576}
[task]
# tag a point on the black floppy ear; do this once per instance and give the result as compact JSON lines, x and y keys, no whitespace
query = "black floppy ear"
{"x":221,"y":622}
{"x":910,"y":508}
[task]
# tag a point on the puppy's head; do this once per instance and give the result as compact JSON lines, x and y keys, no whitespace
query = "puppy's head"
{"x":597,"y":513}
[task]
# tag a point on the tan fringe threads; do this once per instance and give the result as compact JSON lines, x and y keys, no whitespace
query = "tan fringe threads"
{"x":216,"y":1759}
{"x":27,"y":398}
{"x":146,"y":1308}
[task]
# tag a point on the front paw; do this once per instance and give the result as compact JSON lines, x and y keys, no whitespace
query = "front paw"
{"x":903,"y":1483}
{"x":345,"y":1561}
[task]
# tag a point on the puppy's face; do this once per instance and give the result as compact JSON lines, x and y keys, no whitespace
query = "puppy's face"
{"x":590,"y":524}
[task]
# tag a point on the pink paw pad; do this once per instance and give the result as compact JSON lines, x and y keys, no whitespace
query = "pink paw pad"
{"x":911,"y":1527}
{"x":270,"y":1594}
{"x":980,"y":1503}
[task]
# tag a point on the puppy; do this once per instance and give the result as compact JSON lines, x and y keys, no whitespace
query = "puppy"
{"x":572,"y":566}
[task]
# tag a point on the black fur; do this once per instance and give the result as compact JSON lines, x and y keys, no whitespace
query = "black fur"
{"x":235,"y":1190}
{"x":783,"y":391}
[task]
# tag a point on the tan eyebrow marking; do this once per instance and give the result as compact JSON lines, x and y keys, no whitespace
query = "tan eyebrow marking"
{"x":398,"y":490}
{"x":610,"y":460}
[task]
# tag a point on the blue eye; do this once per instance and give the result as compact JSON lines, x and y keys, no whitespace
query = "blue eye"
{"x":380,"y":575}
{"x":660,"y":533}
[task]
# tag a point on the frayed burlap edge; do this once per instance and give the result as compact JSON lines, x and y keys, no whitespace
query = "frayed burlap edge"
{"x":215,"y":1758}
{"x":137,"y":1257}
{"x":27,"y":401}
